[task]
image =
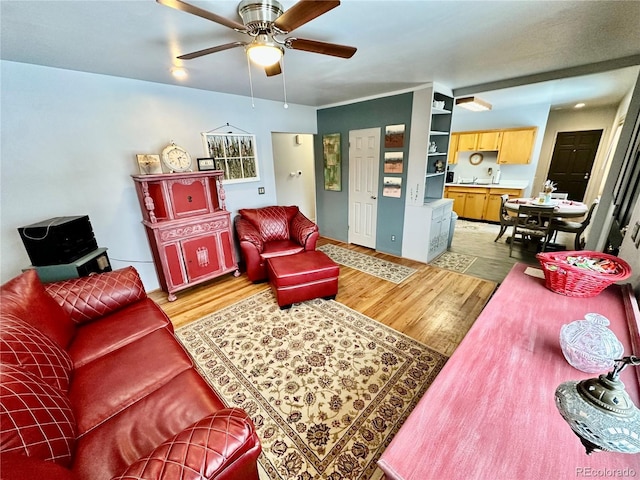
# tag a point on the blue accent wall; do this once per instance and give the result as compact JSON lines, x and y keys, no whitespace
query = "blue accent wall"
{"x":332,"y":208}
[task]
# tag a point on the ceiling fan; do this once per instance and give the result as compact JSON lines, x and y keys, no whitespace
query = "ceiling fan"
{"x":265,"y":21}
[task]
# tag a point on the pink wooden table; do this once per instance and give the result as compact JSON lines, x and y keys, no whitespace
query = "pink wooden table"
{"x":491,"y":414}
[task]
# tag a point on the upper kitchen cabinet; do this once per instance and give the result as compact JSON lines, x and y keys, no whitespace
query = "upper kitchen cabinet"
{"x":467,"y":142}
{"x":516,"y":146}
{"x":489,"y":141}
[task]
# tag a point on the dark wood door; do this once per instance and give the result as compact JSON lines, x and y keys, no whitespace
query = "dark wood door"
{"x":572,"y":161}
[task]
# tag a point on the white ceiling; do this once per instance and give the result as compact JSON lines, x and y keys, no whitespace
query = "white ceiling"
{"x":401,"y":45}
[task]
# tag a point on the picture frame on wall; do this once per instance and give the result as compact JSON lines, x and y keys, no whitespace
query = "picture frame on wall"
{"x":392,"y":187}
{"x":234,"y":154}
{"x":393,"y":162}
{"x":149,"y":164}
{"x":332,"y":162}
{"x":394,"y":136}
{"x":206,"y":164}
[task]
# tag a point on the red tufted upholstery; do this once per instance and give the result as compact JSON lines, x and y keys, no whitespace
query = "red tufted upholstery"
{"x":121,"y":389}
{"x":99,"y":296}
{"x":184,"y":455}
{"x":36,"y":419}
{"x":41,"y":310}
{"x":270,"y":232}
{"x":23,"y":346}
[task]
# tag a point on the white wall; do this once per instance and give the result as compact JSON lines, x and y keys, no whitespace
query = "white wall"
{"x":630,"y":253}
{"x":68,"y":147}
{"x":575,"y":120}
{"x":293,"y":167}
{"x":530,"y":116}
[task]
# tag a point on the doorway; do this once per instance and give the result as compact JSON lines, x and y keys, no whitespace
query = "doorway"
{"x":294,"y":170}
{"x":573,"y":156}
{"x":364,"y":164}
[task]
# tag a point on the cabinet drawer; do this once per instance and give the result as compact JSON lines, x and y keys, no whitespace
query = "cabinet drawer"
{"x":169,"y":233}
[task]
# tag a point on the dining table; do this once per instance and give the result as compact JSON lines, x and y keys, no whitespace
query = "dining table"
{"x":562,"y":208}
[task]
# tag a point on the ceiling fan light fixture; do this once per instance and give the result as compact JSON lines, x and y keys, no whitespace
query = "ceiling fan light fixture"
{"x":262,"y":51}
{"x":474,"y":104}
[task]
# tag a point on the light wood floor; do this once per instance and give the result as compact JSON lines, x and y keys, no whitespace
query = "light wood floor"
{"x":434,"y":306}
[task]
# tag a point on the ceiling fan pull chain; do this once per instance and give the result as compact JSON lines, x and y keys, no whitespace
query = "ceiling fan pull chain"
{"x":253,"y":105}
{"x":284,"y":84}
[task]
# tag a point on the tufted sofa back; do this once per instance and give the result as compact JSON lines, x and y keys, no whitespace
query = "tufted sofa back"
{"x":273,"y":223}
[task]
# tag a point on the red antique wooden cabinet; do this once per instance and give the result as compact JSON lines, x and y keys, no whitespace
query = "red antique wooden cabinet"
{"x":188,"y":227}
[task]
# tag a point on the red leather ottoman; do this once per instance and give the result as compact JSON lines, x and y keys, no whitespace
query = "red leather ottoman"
{"x":303,"y":276}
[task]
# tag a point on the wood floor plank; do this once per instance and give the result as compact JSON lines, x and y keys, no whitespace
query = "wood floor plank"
{"x":434,"y":306}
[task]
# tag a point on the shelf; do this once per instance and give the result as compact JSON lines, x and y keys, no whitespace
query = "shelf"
{"x":437,"y":111}
{"x":436,"y":132}
{"x":434,"y":174}
{"x":436,"y":153}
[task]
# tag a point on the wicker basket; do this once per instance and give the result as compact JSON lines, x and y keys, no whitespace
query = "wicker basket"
{"x":572,"y":281}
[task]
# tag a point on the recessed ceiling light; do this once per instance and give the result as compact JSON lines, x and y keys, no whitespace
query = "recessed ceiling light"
{"x":579,"y":105}
{"x":179,"y":72}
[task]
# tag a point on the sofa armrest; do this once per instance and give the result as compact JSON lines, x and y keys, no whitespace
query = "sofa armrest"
{"x":88,"y":298}
{"x":304,"y":231}
{"x":205,"y":450}
{"x":248,"y":233}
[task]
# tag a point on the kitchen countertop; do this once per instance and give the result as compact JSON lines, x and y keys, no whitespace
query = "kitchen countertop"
{"x":515,"y":184}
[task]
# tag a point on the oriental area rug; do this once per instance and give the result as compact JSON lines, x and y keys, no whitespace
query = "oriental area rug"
{"x":377,"y":267}
{"x":326,"y":386}
{"x":456,"y":262}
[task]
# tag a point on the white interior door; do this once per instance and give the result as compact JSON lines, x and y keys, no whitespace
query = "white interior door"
{"x":364,"y":161}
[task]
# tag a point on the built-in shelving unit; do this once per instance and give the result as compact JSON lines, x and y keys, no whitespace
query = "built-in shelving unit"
{"x":427,"y":213}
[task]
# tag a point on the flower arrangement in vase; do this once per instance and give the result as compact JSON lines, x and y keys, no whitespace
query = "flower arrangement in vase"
{"x":547,"y":189}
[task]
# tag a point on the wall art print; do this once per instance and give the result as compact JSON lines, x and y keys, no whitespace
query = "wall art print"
{"x":332,"y":162}
{"x":394,"y":136}
{"x":392,"y":187}
{"x":393,"y":162}
{"x":234,"y":154}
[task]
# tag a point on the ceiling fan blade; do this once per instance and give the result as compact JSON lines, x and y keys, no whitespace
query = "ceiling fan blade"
{"x":185,"y":7}
{"x":342,"y":51}
{"x":273,"y":70}
{"x":207,"y":51}
{"x":302,"y":12}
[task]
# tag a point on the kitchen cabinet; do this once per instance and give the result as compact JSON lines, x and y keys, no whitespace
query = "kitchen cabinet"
{"x":516,"y":146}
{"x":494,"y":200}
{"x":489,"y":141}
{"x":188,"y":227}
{"x":453,"y":148}
{"x":467,"y":142}
{"x":479,"y":203}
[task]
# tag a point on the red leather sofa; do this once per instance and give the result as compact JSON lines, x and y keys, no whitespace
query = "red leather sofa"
{"x":271,"y":232}
{"x":94,"y":386}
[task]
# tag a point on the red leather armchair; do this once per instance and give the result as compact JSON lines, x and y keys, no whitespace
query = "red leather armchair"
{"x":271,"y":232}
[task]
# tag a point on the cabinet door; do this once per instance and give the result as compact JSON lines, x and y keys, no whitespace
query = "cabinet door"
{"x":488,"y":141}
{"x":201,"y":256}
{"x":458,"y":201}
{"x":452,"y":158}
{"x":474,"y":205}
{"x":516,"y":146}
{"x":467,"y":142}
{"x":492,"y":211}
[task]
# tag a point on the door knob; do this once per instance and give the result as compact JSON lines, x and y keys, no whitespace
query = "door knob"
{"x":373,"y":197}
{"x":586,"y":176}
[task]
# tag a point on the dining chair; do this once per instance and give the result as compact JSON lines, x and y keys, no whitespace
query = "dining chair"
{"x":533,"y":221}
{"x":560,"y":225}
{"x":559,"y":196}
{"x":506,"y":220}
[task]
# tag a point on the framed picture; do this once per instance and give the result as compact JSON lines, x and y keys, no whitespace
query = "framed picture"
{"x":393,"y":162}
{"x":394,"y":136}
{"x":205,"y":164}
{"x":332,"y":162}
{"x":234,"y":154}
{"x":392,"y":187}
{"x":149,"y":164}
